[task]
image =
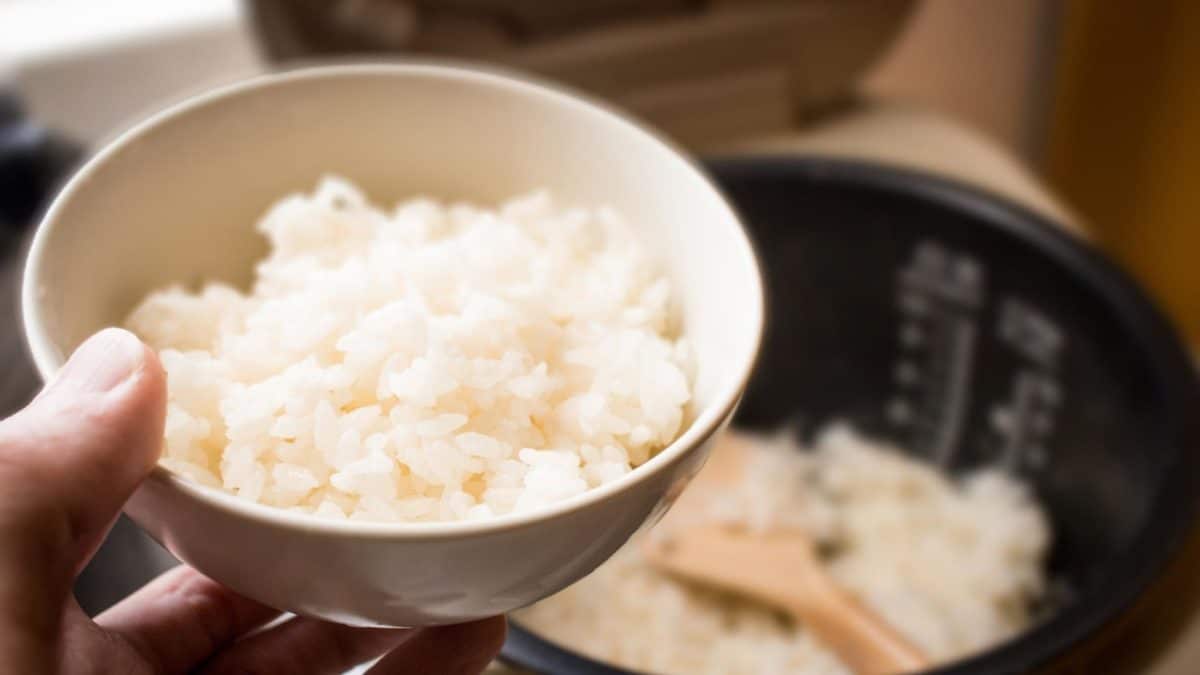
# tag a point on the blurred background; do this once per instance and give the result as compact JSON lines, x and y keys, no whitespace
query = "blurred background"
{"x":1087,"y":112}
{"x":1095,"y":101}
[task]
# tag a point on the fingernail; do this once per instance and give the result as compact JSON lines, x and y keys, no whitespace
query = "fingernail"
{"x":102,"y":362}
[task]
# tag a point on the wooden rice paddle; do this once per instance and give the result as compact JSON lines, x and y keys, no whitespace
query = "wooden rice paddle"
{"x":781,"y":569}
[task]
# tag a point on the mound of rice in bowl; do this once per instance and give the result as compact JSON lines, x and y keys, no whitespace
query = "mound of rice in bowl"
{"x":428,"y":363}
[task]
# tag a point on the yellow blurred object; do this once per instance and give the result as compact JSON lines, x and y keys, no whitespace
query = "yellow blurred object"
{"x":1125,"y":141}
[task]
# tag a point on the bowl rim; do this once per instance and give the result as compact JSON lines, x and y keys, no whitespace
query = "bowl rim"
{"x":706,"y":422}
{"x":1148,"y":554}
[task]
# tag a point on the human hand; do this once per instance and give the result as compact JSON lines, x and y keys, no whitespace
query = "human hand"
{"x":68,"y":462}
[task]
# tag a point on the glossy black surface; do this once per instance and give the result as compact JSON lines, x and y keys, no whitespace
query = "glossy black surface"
{"x":32,"y":162}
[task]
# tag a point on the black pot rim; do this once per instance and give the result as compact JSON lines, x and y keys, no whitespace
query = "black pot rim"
{"x":1174,"y":511}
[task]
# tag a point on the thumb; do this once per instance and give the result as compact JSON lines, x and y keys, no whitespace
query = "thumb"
{"x":71,"y":458}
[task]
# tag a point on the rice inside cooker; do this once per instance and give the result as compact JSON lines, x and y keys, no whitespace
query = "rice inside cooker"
{"x":955,"y":565}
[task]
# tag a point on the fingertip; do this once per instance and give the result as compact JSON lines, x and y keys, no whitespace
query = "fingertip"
{"x":147,"y":399}
{"x":128,"y":416}
{"x":82,"y":447}
{"x":137,"y":370}
{"x":479,"y":642}
{"x":105,"y":361}
{"x":152,"y":368}
{"x":460,"y":649}
{"x":489,"y":635}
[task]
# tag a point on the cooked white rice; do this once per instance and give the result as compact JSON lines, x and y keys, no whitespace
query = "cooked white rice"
{"x":953,"y":565}
{"x":428,"y":362}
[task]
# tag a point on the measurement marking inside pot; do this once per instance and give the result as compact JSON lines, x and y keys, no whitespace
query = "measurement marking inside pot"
{"x":962,"y":352}
{"x":1027,"y":420}
{"x":939,"y":295}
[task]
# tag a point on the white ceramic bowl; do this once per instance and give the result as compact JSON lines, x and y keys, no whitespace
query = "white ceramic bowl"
{"x":174,"y":200}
